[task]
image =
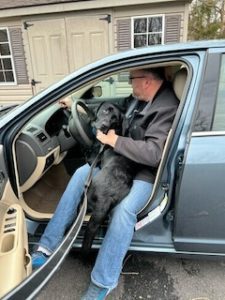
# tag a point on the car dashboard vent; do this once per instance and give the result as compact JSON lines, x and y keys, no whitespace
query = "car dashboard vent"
{"x":32,"y":129}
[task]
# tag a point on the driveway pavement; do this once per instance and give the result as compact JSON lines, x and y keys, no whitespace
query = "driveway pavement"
{"x":145,"y":277}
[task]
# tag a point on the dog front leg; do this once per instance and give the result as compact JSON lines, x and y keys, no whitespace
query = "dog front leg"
{"x":94,"y":223}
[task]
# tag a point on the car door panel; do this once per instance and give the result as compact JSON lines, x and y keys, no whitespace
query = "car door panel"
{"x":15,"y":260}
{"x":17,"y":279}
{"x":32,"y":285}
{"x":200,"y":190}
{"x":200,"y":210}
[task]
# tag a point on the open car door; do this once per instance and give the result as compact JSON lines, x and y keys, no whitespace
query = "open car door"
{"x":15,"y":260}
{"x":17,"y":279}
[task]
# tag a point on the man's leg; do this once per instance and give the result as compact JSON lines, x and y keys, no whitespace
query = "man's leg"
{"x":65,"y":213}
{"x":117,"y":240}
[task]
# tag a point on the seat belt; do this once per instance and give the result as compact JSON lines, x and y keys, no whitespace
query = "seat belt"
{"x":131,"y":108}
{"x":129,"y":114}
{"x":93,"y":165}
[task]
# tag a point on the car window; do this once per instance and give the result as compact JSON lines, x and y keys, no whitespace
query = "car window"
{"x":111,"y":87}
{"x":115,"y":86}
{"x":219,"y":116}
{"x":208,"y":93}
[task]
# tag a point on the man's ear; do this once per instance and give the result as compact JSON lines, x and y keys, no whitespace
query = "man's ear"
{"x":148,"y":82}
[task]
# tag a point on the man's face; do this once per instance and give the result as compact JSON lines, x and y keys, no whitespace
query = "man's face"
{"x":138,"y":81}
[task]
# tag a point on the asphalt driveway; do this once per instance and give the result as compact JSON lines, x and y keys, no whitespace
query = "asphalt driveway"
{"x":145,"y":277}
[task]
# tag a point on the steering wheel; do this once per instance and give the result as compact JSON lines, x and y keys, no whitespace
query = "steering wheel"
{"x":80,"y":123}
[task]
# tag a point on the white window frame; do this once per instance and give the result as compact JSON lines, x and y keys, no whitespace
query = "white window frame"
{"x":11,"y":57}
{"x":146,"y":17}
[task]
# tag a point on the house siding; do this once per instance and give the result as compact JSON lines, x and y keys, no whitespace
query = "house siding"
{"x":176,"y":15}
{"x":15,"y":94}
{"x":5,"y":4}
{"x":174,"y":19}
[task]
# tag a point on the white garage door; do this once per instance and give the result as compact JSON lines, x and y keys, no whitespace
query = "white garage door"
{"x":59,"y":46}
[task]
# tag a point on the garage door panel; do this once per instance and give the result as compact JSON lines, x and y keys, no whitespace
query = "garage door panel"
{"x":60,"y":46}
{"x":87,"y":40}
{"x":77,"y":58}
{"x":39,"y":55}
{"x":48,"y":51}
{"x":97,"y":45}
{"x":59,"y":67}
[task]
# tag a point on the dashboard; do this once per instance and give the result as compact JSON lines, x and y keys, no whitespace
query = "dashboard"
{"x":43,"y":142}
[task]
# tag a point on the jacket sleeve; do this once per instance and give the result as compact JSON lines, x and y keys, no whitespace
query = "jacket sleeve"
{"x":148,"y":151}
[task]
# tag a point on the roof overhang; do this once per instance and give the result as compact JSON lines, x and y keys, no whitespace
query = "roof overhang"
{"x":44,"y":8}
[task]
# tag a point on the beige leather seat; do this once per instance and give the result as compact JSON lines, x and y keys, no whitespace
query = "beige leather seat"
{"x":179,"y":82}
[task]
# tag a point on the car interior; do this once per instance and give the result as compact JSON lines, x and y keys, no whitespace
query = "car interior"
{"x":46,"y":154}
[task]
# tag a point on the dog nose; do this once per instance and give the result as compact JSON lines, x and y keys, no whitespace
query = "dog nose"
{"x":103,"y":126}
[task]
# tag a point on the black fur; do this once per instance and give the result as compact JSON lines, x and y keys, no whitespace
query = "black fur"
{"x":113,"y":182}
{"x":108,"y":116}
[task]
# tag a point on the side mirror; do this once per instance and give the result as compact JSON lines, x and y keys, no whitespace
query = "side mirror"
{"x":97,"y":91}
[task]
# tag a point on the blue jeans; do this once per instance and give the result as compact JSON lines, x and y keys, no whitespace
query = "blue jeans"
{"x":119,"y":234}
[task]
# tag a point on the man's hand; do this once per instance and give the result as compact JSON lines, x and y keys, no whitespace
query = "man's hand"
{"x":66,"y":102}
{"x":109,"y":139}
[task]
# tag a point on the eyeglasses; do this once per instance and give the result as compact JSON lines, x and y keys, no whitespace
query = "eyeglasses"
{"x":134,"y":77}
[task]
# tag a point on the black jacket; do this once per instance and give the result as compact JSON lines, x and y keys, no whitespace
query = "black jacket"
{"x":147,"y":132}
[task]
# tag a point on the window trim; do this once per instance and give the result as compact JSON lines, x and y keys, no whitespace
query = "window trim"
{"x":146,"y":17}
{"x":12,"y":60}
{"x":217,"y":101}
{"x":208,"y":95}
{"x":208,"y":133}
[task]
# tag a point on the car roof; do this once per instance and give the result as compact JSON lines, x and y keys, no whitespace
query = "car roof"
{"x":205,"y":44}
{"x":193,"y":45}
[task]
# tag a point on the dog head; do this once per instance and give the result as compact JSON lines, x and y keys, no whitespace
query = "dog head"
{"x":108,"y":116}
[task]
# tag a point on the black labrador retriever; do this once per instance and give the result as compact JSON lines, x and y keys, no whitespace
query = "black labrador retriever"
{"x":114,"y":180}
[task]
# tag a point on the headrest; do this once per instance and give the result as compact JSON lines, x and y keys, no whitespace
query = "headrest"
{"x":179,"y":81}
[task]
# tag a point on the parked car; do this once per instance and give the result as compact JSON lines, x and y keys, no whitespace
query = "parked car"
{"x":42,"y":144}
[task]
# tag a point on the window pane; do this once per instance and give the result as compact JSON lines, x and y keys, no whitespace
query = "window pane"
{"x":140,"y":25}
{"x":219,"y":118}
{"x":155,"y":24}
{"x":123,"y":77}
{"x":1,"y":64}
{"x":7,"y":64}
{"x":140,"y":40}
{"x":2,"y":77}
{"x":9,"y":76}
{"x":3,"y":35}
{"x":154,"y":39}
{"x":4,"y":49}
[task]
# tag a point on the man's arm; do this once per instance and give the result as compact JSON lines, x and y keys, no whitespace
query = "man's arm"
{"x":149,"y":150}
